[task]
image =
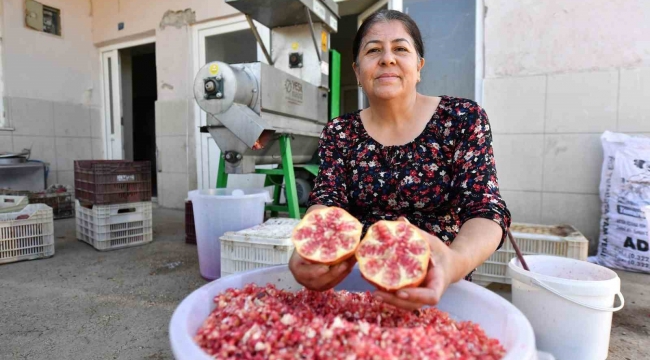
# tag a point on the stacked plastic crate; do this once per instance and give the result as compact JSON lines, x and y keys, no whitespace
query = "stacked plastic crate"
{"x":264,"y":245}
{"x":26,"y":231}
{"x":113,"y":203}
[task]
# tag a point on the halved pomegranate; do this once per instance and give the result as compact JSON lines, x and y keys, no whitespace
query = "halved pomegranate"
{"x":327,"y":236}
{"x":393,"y":255}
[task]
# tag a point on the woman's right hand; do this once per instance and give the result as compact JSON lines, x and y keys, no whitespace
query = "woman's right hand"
{"x":317,"y":276}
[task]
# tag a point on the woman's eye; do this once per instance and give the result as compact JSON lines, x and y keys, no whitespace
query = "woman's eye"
{"x":372,"y":50}
{"x":401,"y":49}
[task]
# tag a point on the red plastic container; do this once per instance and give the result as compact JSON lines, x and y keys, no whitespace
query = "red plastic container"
{"x":61,"y":203}
{"x":106,"y":182}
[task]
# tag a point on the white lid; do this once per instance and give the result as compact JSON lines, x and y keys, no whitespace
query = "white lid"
{"x":229,"y":194}
{"x":275,"y":231}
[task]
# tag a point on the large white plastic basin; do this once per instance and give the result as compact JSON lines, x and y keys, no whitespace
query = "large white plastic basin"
{"x":463,"y":301}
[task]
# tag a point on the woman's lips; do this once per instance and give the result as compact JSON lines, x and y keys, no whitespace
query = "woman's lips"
{"x":387,"y":75}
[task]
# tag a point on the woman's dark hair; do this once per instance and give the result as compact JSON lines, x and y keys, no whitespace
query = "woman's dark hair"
{"x":388,"y":15}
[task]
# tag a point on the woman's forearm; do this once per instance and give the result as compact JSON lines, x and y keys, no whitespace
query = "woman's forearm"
{"x":476,"y":241}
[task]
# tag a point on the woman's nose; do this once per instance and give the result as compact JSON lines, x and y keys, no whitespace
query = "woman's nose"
{"x":388,"y":58}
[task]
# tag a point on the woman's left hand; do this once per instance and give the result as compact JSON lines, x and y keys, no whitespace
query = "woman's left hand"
{"x":440,"y":275}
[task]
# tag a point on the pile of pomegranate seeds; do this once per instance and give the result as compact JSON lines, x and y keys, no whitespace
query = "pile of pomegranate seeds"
{"x":266,"y":323}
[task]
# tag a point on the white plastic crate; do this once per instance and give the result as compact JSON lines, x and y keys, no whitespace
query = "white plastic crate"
{"x":10,"y":203}
{"x":261,"y":246}
{"x":110,"y":227}
{"x":27,"y":239}
{"x":565,"y":241}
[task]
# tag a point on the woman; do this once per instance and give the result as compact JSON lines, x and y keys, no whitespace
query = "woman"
{"x":426,"y":160}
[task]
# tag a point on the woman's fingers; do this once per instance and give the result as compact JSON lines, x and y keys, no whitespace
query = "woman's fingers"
{"x":328,"y":279}
{"x":411,"y":299}
{"x":421,"y":295}
{"x":317,"y":276}
{"x":335,"y":272}
{"x":304,"y":270}
{"x":314,"y":271}
{"x":394,"y":300}
{"x":338,"y":279}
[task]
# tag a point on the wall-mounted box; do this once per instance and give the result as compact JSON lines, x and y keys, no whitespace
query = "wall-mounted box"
{"x":42,"y":17}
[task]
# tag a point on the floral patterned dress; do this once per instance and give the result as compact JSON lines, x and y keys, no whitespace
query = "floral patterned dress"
{"x":438,"y":181}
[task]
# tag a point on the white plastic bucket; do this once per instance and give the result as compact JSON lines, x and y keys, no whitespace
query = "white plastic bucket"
{"x":462,"y":300}
{"x":217,"y":211}
{"x":568,"y":302}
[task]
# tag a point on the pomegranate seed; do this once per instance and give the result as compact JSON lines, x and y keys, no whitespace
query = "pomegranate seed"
{"x":267,"y":323}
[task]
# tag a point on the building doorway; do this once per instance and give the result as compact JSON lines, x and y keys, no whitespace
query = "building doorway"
{"x":130,"y":93}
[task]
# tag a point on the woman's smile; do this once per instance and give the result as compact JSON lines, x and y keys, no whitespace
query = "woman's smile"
{"x":387,"y":78}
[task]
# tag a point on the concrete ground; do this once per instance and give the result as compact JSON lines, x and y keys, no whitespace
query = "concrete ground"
{"x":85,"y":304}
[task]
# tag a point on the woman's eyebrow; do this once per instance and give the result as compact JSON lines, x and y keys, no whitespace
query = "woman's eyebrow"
{"x":394,"y":41}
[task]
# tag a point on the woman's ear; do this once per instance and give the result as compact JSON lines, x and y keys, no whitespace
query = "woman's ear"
{"x":420,"y":64}
{"x":355,"y":67}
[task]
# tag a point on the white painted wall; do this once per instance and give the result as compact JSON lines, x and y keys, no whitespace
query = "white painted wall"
{"x":48,"y":67}
{"x":51,"y":88}
{"x":558,"y":74}
{"x":527,"y":37}
{"x":142,"y":16}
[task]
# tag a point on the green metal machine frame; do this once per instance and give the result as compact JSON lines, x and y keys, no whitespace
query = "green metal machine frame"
{"x":287,"y":169}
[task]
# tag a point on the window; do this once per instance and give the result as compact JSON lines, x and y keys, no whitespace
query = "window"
{"x":42,"y":17}
{"x":51,"y":20}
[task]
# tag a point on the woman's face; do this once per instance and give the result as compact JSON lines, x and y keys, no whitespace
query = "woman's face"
{"x":388,"y":65}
